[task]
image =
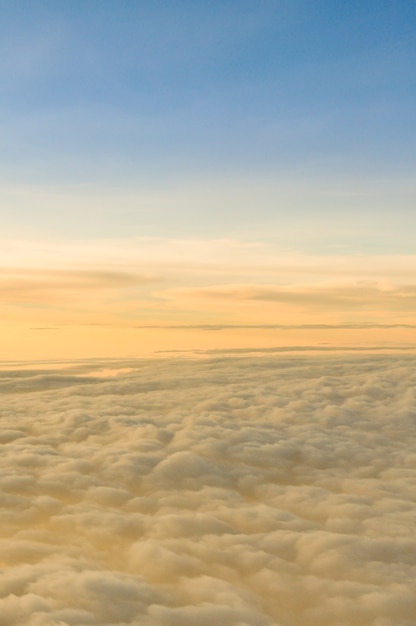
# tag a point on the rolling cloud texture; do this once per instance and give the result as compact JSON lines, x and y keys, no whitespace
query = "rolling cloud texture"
{"x":276,"y":490}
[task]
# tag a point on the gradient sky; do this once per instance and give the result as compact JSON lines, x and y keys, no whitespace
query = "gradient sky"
{"x":205,"y":163}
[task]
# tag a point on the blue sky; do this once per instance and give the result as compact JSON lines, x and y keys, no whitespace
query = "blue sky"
{"x":185,"y":99}
{"x":240,"y":164}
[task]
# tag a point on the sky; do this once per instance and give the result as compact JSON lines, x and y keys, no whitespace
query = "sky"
{"x":195,"y":175}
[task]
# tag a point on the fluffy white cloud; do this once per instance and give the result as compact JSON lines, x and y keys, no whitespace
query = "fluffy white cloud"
{"x":239,"y":491}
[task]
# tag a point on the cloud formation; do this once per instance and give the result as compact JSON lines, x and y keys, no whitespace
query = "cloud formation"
{"x":259,"y":491}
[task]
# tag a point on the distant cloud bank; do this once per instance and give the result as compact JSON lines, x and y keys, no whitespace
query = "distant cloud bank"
{"x":276,"y":490}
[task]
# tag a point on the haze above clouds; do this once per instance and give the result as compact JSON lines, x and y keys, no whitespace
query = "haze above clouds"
{"x":205,"y":164}
{"x":256,"y":491}
{"x":103,"y":295}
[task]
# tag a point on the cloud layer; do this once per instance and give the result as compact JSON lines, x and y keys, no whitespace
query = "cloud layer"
{"x":241,"y":491}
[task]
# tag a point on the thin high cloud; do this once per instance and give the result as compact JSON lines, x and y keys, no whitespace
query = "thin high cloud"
{"x":25,"y":285}
{"x":321,"y":297}
{"x":219,"y":327}
{"x":261,"y":491}
{"x":304,"y":348}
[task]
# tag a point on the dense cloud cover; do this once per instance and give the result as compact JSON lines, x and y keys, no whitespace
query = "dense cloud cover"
{"x":255,"y":491}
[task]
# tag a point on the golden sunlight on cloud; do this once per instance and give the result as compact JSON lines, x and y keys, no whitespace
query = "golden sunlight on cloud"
{"x":272,"y":491}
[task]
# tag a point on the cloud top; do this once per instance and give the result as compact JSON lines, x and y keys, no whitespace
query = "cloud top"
{"x":256,"y":491}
